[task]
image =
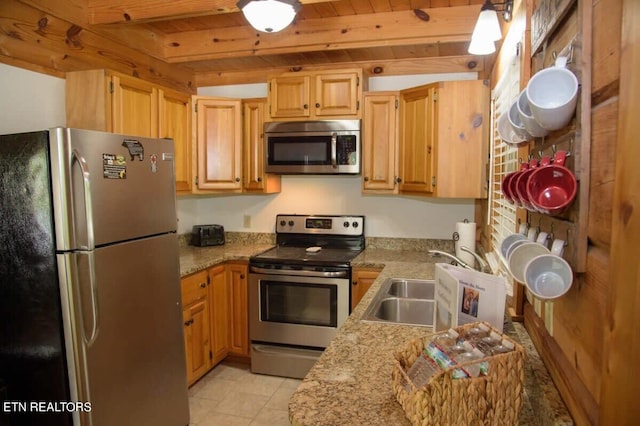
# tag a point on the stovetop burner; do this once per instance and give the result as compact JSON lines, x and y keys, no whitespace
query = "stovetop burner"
{"x":339,"y":238}
{"x":295,"y":255}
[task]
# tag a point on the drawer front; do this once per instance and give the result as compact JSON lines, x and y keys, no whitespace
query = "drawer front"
{"x":194,"y":287}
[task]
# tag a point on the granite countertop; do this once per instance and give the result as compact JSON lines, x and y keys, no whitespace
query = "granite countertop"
{"x":238,"y":246}
{"x":351,"y":382}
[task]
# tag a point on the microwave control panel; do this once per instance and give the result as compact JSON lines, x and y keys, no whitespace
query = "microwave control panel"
{"x":347,"y":150}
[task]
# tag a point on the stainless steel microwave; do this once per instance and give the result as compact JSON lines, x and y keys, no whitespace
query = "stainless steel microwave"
{"x":313,"y":147}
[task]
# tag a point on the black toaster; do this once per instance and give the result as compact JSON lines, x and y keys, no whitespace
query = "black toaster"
{"x":207,"y":235}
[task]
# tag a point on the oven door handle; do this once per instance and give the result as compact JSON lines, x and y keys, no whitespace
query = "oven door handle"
{"x":299,"y":272}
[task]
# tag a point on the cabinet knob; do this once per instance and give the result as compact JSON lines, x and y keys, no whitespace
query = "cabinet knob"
{"x":398,"y":179}
{"x":203,"y":285}
{"x":305,"y":106}
{"x":317,"y":105}
{"x":354,"y":282}
{"x":259,"y":179}
{"x":237,"y":179}
{"x":188,"y":322}
{"x":242,"y":276}
{"x":366,"y":178}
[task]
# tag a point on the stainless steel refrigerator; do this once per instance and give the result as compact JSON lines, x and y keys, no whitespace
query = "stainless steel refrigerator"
{"x":90,"y":312}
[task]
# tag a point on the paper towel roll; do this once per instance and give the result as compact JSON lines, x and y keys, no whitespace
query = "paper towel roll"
{"x":467,"y":238}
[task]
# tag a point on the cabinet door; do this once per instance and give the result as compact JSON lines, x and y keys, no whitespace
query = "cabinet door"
{"x":462,"y":142}
{"x":255,"y":179}
{"x":336,"y":94}
{"x":219,"y":302}
{"x":134,"y":107}
{"x":417,"y":145}
{"x":238,"y":281}
{"x":379,"y":137}
{"x":219,"y":141}
{"x":289,"y":96}
{"x":361,"y":280}
{"x":175,"y":123}
{"x":196,"y":339}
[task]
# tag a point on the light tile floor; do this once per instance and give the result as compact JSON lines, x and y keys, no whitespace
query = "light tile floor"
{"x":231,"y":395}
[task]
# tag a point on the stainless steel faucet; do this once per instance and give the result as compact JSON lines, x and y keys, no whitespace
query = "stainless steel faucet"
{"x":483,"y":265}
{"x":450,"y":256}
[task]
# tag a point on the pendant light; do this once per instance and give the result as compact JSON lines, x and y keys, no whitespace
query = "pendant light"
{"x":269,"y":16}
{"x":487,"y":30}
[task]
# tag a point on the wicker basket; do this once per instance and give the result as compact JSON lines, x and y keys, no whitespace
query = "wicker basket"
{"x":492,"y":399}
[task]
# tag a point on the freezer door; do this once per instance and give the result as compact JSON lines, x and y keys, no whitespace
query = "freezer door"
{"x":123,"y":330}
{"x":109,"y":188}
{"x":32,"y":358}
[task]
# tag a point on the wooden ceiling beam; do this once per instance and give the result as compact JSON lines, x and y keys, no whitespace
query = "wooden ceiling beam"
{"x":55,"y":46}
{"x":447,"y":24}
{"x":434,"y":65}
{"x":136,"y":11}
{"x":139,"y":37}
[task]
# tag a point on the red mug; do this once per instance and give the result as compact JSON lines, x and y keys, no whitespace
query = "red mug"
{"x":553,"y":188}
{"x":506,"y":182}
{"x":520,"y":185}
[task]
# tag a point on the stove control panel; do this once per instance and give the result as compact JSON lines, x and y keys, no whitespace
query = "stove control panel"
{"x":311,"y":224}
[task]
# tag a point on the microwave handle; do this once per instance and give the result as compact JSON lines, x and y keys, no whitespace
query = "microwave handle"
{"x":334,"y":143}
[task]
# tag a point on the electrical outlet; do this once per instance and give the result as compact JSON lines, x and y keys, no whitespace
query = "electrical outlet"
{"x":247,"y":221}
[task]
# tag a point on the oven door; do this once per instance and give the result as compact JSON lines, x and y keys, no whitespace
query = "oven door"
{"x":302,"y":308}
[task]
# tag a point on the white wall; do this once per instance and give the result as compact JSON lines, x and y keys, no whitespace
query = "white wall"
{"x":386,"y":216}
{"x":30,"y":100}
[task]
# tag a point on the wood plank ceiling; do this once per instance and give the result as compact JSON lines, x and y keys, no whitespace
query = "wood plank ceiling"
{"x":210,"y":41}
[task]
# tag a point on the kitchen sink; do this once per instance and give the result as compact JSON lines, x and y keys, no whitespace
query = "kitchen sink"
{"x":415,"y":289}
{"x":403,"y":301}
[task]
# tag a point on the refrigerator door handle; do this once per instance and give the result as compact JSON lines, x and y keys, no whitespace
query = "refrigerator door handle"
{"x":88,"y":210}
{"x":93,"y":288}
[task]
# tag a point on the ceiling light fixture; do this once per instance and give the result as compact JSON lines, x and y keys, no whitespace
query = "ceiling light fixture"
{"x":269,"y":16}
{"x":487,"y":30}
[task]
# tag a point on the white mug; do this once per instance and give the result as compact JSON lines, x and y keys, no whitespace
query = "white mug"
{"x":542,"y":238}
{"x":508,"y":241}
{"x":516,"y":122}
{"x":553,"y":94}
{"x":521,"y":255}
{"x":507,"y":132}
{"x":557,"y":247}
{"x":530,"y":123}
{"x":548,"y":276}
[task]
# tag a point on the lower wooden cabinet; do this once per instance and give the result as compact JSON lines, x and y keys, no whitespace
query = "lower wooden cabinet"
{"x":361,"y":280}
{"x":237,"y":277}
{"x":197,"y":331}
{"x":215,"y":315}
{"x":218,"y":297}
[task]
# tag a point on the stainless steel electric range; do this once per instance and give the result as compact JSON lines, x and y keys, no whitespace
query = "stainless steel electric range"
{"x":299,"y":291}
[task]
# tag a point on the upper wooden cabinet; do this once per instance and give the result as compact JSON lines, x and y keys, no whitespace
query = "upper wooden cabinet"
{"x":219,"y":144}
{"x":111,"y":102}
{"x":175,"y":123}
{"x":379,"y":146}
{"x":315,"y":95}
{"x":418,"y":117}
{"x":255,"y":179}
{"x":444,"y":139}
